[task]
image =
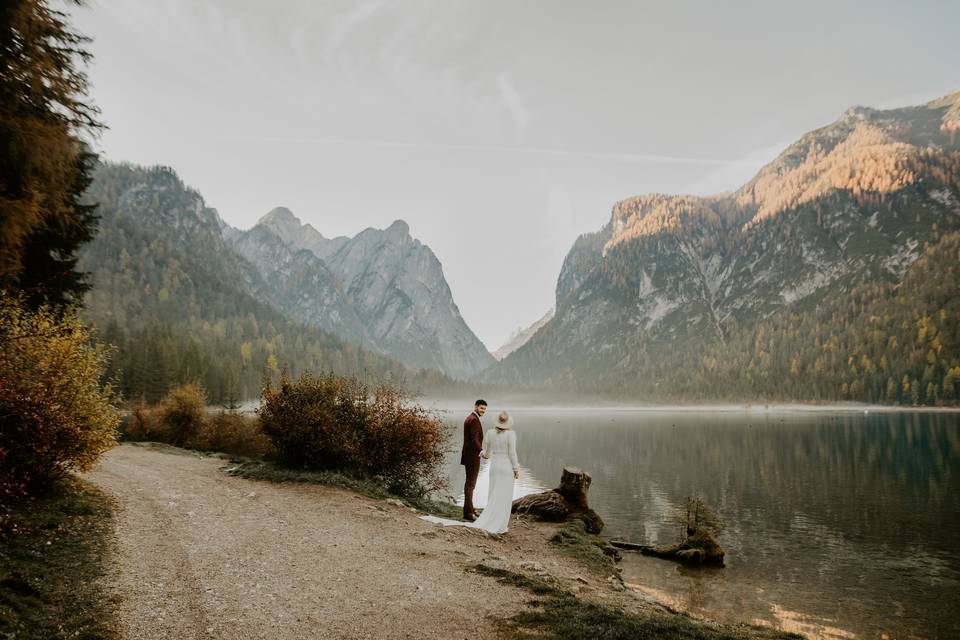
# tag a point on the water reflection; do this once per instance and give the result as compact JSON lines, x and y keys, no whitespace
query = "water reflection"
{"x":524,"y":485}
{"x":841,"y":523}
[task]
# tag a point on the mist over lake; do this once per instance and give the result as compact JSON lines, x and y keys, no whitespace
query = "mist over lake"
{"x":837,"y":523}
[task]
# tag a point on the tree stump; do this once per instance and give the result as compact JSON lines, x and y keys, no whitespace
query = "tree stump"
{"x":569,"y":500}
{"x":699,"y":548}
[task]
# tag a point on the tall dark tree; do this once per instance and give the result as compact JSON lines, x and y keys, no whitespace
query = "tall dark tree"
{"x":44,"y":164}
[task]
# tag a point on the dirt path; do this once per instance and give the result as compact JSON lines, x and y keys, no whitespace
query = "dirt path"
{"x":201,"y":554}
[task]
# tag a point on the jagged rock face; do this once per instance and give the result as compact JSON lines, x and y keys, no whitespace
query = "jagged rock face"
{"x":229,"y":233}
{"x":294,"y":233}
{"x":521,"y":337}
{"x":158,"y":201}
{"x":585,"y":254}
{"x":853,"y":201}
{"x":300,"y":284}
{"x":294,"y":281}
{"x":381,"y":289}
{"x":397,"y":287}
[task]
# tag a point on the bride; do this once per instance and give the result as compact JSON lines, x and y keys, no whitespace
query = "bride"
{"x":500,"y":447}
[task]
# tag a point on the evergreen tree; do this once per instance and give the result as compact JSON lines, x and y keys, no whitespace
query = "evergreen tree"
{"x":44,"y":165}
{"x":49,"y":259}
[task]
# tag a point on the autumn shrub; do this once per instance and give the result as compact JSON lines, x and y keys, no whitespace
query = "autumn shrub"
{"x":313,"y":421}
{"x":56,"y":414}
{"x":403,"y":442}
{"x":183,"y":412}
{"x":336,"y":423}
{"x":181,"y":419}
{"x":234,"y":433}
{"x":143,"y":424}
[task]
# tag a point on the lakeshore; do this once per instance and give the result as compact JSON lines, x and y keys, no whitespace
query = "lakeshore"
{"x":200,"y":553}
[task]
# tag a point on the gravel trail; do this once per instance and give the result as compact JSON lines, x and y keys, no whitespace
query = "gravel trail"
{"x":201,"y":554}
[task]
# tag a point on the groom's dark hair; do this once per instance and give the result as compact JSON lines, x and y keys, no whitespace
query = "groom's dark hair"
{"x":480,"y":402}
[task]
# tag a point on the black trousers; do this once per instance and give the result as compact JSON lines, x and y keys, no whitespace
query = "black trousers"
{"x":473,"y":470}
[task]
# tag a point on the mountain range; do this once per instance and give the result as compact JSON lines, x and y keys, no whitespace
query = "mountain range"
{"x":652,"y":304}
{"x":184,"y":295}
{"x":830,"y":275}
{"x":381,"y":289}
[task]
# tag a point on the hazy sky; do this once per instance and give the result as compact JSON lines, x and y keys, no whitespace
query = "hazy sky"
{"x":499,"y":130}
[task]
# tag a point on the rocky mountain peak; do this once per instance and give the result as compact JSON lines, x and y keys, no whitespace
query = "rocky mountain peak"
{"x":294,"y":232}
{"x":156,"y":197}
{"x":849,"y":203}
{"x":398,"y":230}
{"x":382,"y":289}
{"x":281,"y":216}
{"x":858,"y":113}
{"x":283,"y":223}
{"x":521,"y":336}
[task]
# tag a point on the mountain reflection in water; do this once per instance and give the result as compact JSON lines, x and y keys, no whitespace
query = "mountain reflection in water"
{"x":837,"y":524}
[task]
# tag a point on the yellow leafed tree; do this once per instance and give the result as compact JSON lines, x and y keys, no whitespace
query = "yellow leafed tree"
{"x":56,"y":414}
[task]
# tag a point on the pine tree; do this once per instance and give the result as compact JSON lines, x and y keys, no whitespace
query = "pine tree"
{"x":44,"y":165}
{"x":49,"y":257}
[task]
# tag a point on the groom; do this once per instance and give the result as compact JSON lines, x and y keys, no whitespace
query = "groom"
{"x":470,"y":456}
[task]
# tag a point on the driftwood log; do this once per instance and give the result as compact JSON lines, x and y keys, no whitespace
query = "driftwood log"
{"x":567,"y":501}
{"x":700,"y":548}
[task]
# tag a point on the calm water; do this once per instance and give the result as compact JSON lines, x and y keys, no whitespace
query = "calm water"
{"x":838,"y":525}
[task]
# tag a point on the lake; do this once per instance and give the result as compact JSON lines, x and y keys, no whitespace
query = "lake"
{"x":838,"y":524}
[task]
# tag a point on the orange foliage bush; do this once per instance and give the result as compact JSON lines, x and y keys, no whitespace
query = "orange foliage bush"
{"x":181,"y":419}
{"x":235,"y":433}
{"x":183,"y":412}
{"x":336,"y":423}
{"x":143,"y":425}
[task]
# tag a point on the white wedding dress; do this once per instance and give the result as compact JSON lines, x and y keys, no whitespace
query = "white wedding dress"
{"x":501,"y":447}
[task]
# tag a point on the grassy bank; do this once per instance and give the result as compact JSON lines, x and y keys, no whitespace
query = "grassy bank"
{"x":53,"y":558}
{"x":593,"y":551}
{"x":557,"y":613}
{"x":272,"y":472}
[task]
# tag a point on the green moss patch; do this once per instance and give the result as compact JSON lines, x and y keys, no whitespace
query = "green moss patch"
{"x":592,"y":550}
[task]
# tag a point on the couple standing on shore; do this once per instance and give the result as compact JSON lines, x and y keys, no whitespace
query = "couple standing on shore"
{"x":499,"y":445}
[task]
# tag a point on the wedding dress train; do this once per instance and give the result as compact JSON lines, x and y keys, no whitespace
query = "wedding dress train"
{"x":501,"y":447}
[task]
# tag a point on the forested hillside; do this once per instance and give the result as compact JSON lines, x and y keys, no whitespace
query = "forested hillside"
{"x":878,"y":342}
{"x":176,"y":301}
{"x":821,"y":279}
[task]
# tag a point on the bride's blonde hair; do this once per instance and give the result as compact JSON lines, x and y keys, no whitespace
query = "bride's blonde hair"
{"x":503,"y":421}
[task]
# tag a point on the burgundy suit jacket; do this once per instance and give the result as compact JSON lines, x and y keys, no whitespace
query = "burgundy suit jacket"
{"x":472,"y":440}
